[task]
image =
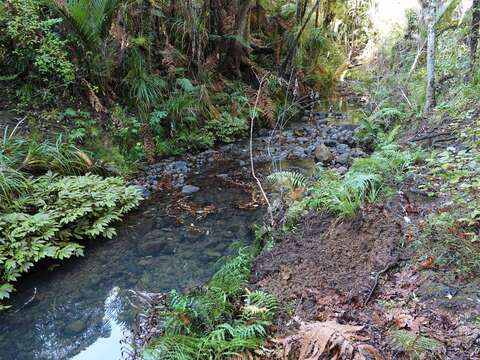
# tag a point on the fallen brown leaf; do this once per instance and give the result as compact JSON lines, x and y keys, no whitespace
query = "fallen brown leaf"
{"x":401,"y":319}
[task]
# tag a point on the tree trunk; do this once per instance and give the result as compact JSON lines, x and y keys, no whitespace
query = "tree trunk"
{"x":430,"y":92}
{"x":238,"y":49}
{"x":474,"y":32}
{"x":288,"y":62}
{"x":329,"y":15}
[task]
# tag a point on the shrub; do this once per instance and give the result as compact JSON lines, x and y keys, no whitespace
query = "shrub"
{"x":49,"y":220}
{"x":228,"y":127}
{"x":34,"y":49}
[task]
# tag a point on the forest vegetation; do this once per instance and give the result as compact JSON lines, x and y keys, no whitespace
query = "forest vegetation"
{"x":97,"y":94}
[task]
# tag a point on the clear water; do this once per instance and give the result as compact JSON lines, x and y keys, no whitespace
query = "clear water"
{"x":80,"y":308}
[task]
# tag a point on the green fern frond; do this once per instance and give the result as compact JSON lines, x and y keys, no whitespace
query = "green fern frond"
{"x":290,"y":179}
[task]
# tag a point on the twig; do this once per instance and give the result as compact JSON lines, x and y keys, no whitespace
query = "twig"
{"x":28,"y":301}
{"x":377,"y":277}
{"x":252,"y":118}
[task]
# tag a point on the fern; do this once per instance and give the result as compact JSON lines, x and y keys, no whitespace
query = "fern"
{"x":366,"y":182}
{"x":293,"y":181}
{"x":209,"y":324}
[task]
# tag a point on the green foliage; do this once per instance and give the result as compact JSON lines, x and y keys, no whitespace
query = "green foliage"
{"x":292,"y":181}
{"x":49,"y":219}
{"x":366,"y":182}
{"x":33,"y":50}
{"x":378,"y":129}
{"x":144,"y":88}
{"x":89,"y":23}
{"x":92,"y":19}
{"x":213,"y":323}
{"x":228,"y":127}
{"x":34,"y":157}
{"x":451,"y":235}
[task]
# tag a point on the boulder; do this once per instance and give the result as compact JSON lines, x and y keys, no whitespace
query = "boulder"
{"x":343,"y":148}
{"x":343,"y":159}
{"x":323,"y":153}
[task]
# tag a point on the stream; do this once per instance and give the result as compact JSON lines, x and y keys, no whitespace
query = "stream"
{"x":80,"y":309}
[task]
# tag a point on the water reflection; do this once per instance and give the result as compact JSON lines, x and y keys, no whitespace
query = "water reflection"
{"x":80,"y":309}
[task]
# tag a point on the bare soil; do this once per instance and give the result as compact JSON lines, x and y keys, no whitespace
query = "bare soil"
{"x":362,"y":271}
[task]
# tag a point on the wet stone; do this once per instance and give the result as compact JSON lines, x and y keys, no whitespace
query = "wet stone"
{"x":190,"y":189}
{"x":343,"y":159}
{"x":343,"y":148}
{"x":298,"y":151}
{"x":181,"y":166}
{"x":75,"y":327}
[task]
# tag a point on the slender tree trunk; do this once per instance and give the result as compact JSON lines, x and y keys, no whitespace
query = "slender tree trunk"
{"x":298,"y":11}
{"x":474,"y":32}
{"x":288,"y":62}
{"x":328,"y":11}
{"x":431,"y":19}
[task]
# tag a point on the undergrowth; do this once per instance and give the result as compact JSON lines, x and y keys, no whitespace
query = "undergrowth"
{"x":50,"y":218}
{"x":368,"y":181}
{"x":224,"y":319}
{"x":417,"y":346}
{"x":45,"y":210}
{"x":452,"y":234}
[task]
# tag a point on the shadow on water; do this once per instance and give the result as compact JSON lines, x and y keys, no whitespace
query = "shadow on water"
{"x":80,"y":308}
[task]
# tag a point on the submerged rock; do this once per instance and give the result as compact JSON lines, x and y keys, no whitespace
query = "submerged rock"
{"x":152,"y":243}
{"x":190,"y":189}
{"x":75,"y":327}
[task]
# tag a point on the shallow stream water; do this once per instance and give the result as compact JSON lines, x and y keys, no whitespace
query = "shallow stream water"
{"x":79,"y":309}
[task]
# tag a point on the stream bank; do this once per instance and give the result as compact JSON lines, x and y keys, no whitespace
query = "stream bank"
{"x":197,"y":208}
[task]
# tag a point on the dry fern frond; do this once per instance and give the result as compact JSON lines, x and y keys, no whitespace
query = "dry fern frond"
{"x":327,"y":338}
{"x":265,"y":106}
{"x":95,"y":102}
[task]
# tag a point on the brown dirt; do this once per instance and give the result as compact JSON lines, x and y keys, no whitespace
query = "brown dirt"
{"x":326,"y":269}
{"x":325,"y":254}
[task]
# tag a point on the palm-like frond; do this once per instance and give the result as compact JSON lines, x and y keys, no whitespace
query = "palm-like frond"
{"x":92,"y":18}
